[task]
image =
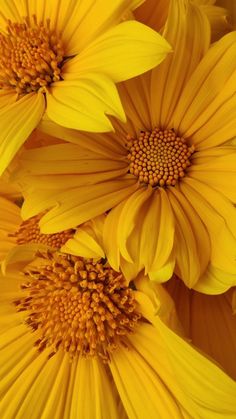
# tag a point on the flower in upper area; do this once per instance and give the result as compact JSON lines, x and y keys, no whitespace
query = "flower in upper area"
{"x":64,"y":58}
{"x":74,"y":330}
{"x":167,"y":176}
{"x":154,"y":13}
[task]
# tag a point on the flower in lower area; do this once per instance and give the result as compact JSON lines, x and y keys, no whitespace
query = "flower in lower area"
{"x":167,"y":175}
{"x":64,"y":58}
{"x":73,"y":331}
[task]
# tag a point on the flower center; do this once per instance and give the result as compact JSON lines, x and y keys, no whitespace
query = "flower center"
{"x":31,"y":55}
{"x":78,"y":305}
{"x":158,"y":158}
{"x":29,"y":232}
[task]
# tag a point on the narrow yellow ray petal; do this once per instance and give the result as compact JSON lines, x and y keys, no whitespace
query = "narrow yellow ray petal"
{"x":184,"y":25}
{"x":17,"y":121}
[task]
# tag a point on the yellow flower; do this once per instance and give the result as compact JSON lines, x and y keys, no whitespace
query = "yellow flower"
{"x":77,"y":340}
{"x":154,"y":13}
{"x":167,"y":174}
{"x":209,"y":322}
{"x":64,"y":58}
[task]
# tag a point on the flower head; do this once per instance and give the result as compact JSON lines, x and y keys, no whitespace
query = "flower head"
{"x":81,"y":328}
{"x":63,"y":59}
{"x":166,"y":175}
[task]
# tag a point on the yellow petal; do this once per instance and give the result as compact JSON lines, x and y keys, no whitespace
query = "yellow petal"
{"x":17,"y":121}
{"x":153,"y":13}
{"x":219,"y":170}
{"x":184,"y":25}
{"x":77,"y":205}
{"x":83,"y":102}
{"x":209,"y":323}
{"x":92,"y":382}
{"x":10,"y":220}
{"x":83,"y":245}
{"x":124,"y":51}
{"x":215,"y":281}
{"x":192,"y":243}
{"x":205,"y":391}
{"x":141,"y":389}
{"x":206,"y":108}
{"x":82,"y":22}
{"x":218,"y":215}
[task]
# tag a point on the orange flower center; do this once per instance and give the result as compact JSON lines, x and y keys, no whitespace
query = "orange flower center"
{"x":31,"y":56}
{"x":29,"y":232}
{"x":158,"y":158}
{"x":78,"y":305}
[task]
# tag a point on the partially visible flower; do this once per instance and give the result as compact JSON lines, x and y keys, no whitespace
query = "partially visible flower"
{"x":74,"y":330}
{"x":154,"y":13}
{"x":64,"y":58}
{"x":14,"y":231}
{"x":166,"y":174}
{"x":209,"y":321}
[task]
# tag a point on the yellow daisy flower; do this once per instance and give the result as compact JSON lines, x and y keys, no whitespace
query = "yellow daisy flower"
{"x":166,"y":173}
{"x":64,"y":58}
{"x":73,"y":331}
{"x":154,"y":13}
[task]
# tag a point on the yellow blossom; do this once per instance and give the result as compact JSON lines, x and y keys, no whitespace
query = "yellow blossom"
{"x":63,"y":58}
{"x":166,"y":175}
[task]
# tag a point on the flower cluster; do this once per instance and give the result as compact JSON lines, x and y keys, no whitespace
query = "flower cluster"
{"x":117,"y":209}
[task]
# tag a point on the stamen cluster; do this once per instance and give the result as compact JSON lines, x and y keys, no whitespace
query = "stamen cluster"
{"x":81,"y":306}
{"x":31,"y":56}
{"x":158,"y":158}
{"x":29,"y":232}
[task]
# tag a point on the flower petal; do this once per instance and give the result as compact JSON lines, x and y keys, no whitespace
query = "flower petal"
{"x":82,"y":22}
{"x":207,"y":108}
{"x":215,"y":281}
{"x":188,"y":31}
{"x":192,"y":243}
{"x":141,"y":389}
{"x":92,"y":382}
{"x":124,"y":51}
{"x":82,"y":103}
{"x":208,"y":321}
{"x":17,"y":121}
{"x":77,"y":205}
{"x":218,"y":215}
{"x":206,"y":387}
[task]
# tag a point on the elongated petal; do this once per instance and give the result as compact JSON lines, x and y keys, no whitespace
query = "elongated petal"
{"x":124,"y":51}
{"x":206,"y":387}
{"x":77,"y":205}
{"x":206,"y":110}
{"x":208,"y":321}
{"x":218,"y":215}
{"x":91,"y":382}
{"x":82,"y":22}
{"x":10,"y":220}
{"x":82,"y":103}
{"x":219,"y":170}
{"x":192,"y":243}
{"x":184,"y":25}
{"x":215,"y":281}
{"x":17,"y":122}
{"x":141,"y":389}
